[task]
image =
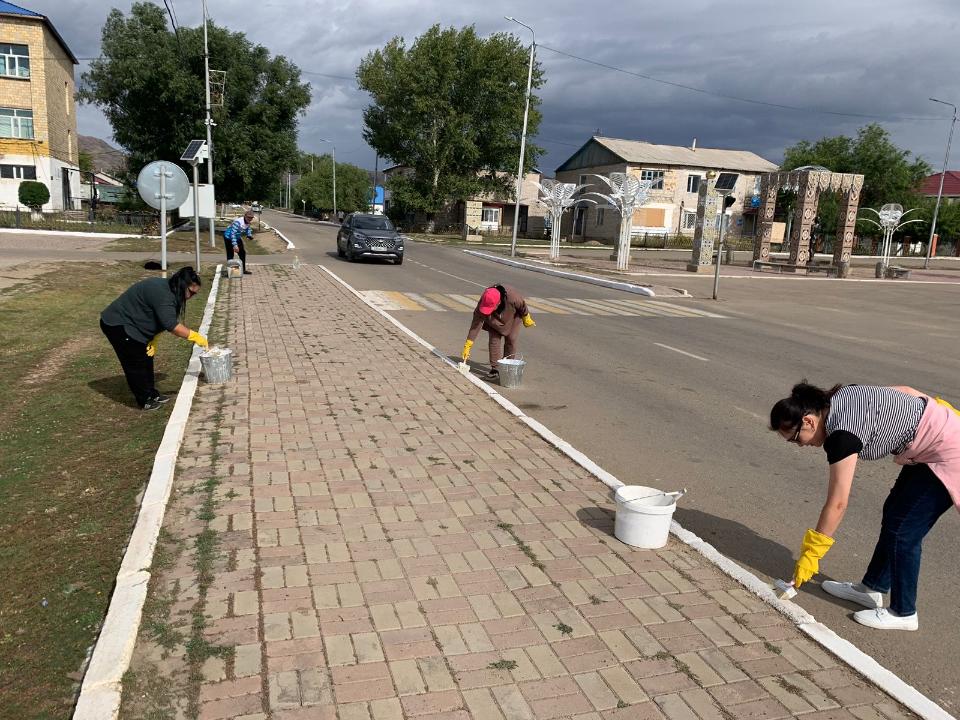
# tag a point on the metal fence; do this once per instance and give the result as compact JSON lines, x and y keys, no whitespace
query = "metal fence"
{"x":105,"y":220}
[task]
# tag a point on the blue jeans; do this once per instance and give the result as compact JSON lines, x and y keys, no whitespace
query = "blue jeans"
{"x":914,"y":505}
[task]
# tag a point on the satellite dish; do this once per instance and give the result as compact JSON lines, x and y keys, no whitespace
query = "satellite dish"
{"x":176,"y":185}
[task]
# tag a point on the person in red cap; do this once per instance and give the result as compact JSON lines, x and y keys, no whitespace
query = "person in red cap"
{"x":501,"y":311}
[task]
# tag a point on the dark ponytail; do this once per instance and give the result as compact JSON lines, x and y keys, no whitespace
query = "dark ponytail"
{"x":179,"y":282}
{"x":805,"y":399}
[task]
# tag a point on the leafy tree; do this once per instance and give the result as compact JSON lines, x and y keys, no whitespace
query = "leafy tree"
{"x":890,"y":174}
{"x":33,"y":194}
{"x":316,"y":186}
{"x":151,"y":88}
{"x":85,"y":162}
{"x":450,"y":107}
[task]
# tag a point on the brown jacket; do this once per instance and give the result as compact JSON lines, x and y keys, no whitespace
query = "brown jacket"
{"x":502,"y":320}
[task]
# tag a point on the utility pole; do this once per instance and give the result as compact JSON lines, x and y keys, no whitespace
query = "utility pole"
{"x":209,"y":124}
{"x":334,"y":156}
{"x":523,"y":136}
{"x":946,"y":159}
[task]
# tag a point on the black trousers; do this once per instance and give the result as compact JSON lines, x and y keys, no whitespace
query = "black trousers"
{"x":241,"y":251}
{"x":137,"y":365}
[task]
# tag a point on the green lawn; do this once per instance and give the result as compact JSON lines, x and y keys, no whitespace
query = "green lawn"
{"x":75,"y":451}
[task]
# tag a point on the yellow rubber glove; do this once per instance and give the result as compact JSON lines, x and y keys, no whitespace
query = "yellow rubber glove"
{"x":528,"y":321}
{"x":947,"y":405}
{"x":152,"y":345}
{"x":815,"y":546}
{"x":465,"y":355}
{"x":197,"y":338}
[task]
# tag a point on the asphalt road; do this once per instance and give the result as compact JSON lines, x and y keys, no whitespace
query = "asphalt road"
{"x":680,"y":400}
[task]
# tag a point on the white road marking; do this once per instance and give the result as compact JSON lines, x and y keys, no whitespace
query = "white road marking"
{"x":682,"y":352}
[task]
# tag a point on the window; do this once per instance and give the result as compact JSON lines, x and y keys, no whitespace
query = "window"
{"x":655,"y":176}
{"x":16,"y":123}
{"x":693,"y":183}
{"x":689,"y":220}
{"x":18,"y":172}
{"x":491,"y":215}
{"x":14,"y":60}
{"x":599,"y":216}
{"x":66,"y":96}
{"x":371,"y":222}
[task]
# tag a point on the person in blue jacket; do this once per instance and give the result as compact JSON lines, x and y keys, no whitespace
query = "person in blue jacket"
{"x":233,"y":238}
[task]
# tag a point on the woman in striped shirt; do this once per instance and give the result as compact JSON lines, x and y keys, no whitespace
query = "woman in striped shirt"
{"x":870,"y":422}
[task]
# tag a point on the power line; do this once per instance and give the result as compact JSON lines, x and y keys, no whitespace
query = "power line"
{"x":737,"y":98}
{"x":173,"y":22}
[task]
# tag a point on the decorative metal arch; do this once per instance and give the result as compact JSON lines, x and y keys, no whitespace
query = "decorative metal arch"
{"x":809,"y":182}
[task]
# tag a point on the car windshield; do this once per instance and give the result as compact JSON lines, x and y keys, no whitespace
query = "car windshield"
{"x":372,"y":223}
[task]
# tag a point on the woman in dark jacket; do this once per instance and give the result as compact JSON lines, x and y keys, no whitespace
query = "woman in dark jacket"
{"x":133,"y":323}
{"x":501,"y":311}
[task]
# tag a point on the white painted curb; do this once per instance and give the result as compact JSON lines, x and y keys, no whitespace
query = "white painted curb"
{"x":79,"y":233}
{"x":100,"y":693}
{"x":288,"y":241}
{"x":602,"y":282}
{"x":826,"y":638}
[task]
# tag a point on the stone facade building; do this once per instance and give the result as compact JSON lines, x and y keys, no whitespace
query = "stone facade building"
{"x":38,"y":116}
{"x":676,"y":173}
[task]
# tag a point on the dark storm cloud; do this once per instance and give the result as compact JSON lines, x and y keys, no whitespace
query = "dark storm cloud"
{"x":874,"y":58}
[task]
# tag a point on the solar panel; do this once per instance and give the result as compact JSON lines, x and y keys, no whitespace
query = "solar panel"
{"x":726,"y":181}
{"x":196,"y":150}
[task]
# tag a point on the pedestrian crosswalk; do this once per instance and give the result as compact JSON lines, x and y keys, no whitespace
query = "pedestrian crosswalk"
{"x":451,"y":302}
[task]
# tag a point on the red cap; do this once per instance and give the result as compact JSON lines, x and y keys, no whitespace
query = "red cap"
{"x":489,"y":301}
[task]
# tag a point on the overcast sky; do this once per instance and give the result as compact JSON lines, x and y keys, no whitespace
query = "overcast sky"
{"x":881,"y":58}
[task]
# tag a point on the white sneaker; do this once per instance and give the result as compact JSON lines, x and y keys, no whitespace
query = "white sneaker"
{"x":883,"y":619}
{"x":854,"y":593}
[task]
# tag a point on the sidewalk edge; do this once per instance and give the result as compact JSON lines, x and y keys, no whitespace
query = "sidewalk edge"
{"x":578,"y":277}
{"x":99,"y":697}
{"x":846,"y":651}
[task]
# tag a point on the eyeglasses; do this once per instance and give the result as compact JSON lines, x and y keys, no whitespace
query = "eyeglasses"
{"x":191,"y":292}
{"x":796,"y":436}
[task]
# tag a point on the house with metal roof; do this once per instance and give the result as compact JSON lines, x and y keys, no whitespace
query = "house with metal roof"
{"x":38,"y":116}
{"x":676,"y":173}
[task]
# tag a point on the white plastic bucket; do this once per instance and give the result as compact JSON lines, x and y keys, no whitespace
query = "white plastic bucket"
{"x":643,"y":516}
{"x":217,"y":365}
{"x":234,"y":269}
{"x":511,"y":371}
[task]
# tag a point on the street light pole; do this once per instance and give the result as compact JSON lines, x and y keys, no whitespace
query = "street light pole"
{"x":523,"y":135}
{"x":946,"y":159}
{"x":209,"y":123}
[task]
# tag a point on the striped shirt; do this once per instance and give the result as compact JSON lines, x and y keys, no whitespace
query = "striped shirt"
{"x":883,"y":419}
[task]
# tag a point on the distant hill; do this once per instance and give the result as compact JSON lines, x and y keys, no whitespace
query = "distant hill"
{"x":106,"y":158}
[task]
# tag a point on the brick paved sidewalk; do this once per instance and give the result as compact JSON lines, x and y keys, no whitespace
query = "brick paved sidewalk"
{"x":356,"y":532}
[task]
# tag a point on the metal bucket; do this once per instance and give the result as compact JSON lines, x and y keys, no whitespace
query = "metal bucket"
{"x":217,"y":365}
{"x":511,"y":371}
{"x":234,"y":269}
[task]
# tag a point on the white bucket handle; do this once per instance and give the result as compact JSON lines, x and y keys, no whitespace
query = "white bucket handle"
{"x":515,"y":356}
{"x":676,"y":495}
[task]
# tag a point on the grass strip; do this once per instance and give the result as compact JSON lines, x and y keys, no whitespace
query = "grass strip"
{"x":75,"y":452}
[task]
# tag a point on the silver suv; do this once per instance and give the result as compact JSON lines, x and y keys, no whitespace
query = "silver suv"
{"x":363,"y":235}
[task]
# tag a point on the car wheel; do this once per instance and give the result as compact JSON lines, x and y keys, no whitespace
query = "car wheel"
{"x":398,"y":261}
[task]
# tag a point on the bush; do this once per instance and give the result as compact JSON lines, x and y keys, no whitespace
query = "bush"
{"x":33,"y":194}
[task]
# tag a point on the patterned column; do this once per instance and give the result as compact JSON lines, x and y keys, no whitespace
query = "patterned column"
{"x":847,"y":221}
{"x":804,"y":213}
{"x":705,"y":232}
{"x":768,"y":206}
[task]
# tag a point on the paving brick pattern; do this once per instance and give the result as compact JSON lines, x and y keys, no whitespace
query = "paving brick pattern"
{"x":394,"y":545}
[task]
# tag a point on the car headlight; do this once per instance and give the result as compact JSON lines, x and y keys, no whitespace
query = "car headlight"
{"x":360,"y":237}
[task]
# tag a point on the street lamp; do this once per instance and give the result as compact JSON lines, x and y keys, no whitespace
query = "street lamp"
{"x":523,"y":136}
{"x":334,"y":156}
{"x":946,"y":159}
